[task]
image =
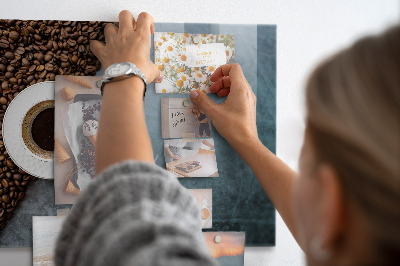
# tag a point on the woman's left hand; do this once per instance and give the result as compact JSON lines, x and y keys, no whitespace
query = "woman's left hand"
{"x":130,"y":42}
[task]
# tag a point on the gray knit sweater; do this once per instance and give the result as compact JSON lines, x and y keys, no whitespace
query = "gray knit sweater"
{"x":134,"y":213}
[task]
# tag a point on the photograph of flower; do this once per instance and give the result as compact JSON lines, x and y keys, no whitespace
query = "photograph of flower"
{"x":191,"y":157}
{"x":204,"y":199}
{"x":226,"y":247}
{"x":188,"y":60}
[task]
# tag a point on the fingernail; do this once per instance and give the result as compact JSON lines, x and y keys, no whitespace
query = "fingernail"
{"x":194,"y":94}
{"x":160,"y":78}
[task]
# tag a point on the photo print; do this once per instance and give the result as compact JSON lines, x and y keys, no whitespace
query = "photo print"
{"x":226,"y":247}
{"x":191,"y":157}
{"x":45,"y":230}
{"x":188,"y":60}
{"x":77,"y":112}
{"x":180,"y":118}
{"x":204,"y":199}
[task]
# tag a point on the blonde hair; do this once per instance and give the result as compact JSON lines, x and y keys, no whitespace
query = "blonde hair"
{"x":353,"y":120}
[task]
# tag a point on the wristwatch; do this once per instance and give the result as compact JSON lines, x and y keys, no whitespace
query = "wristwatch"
{"x":120,"y":71}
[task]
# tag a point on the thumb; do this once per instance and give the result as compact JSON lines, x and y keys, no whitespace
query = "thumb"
{"x":202,"y":101}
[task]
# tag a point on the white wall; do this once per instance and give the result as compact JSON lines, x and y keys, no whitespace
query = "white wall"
{"x":307,"y":32}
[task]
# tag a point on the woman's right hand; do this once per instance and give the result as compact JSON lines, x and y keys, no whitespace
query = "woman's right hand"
{"x":235,"y":119}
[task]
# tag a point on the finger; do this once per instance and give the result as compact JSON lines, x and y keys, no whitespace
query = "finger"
{"x":145,"y":23}
{"x":223,"y":92}
{"x":126,"y":22}
{"x":110,"y":31}
{"x":97,"y":48}
{"x":225,"y":70}
{"x":202,"y":101}
{"x":225,"y":82}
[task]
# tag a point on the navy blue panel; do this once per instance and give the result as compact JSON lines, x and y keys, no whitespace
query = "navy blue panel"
{"x":239,"y":202}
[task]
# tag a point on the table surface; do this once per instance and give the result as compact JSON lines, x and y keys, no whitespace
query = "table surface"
{"x":306,"y":33}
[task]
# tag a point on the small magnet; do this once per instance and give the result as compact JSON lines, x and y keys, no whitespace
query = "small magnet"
{"x":187,"y":102}
{"x":217,"y":239}
{"x":98,"y":83}
{"x":196,"y":39}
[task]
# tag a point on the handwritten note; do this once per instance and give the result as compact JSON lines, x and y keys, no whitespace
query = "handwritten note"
{"x":177,"y":118}
{"x":210,"y":54}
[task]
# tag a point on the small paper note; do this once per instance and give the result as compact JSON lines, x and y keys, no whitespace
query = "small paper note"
{"x":210,"y":54}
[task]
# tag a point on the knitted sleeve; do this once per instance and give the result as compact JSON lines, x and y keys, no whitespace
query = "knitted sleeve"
{"x":134,"y":213}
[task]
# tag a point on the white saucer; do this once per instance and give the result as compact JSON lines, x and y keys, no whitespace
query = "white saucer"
{"x":12,"y":130}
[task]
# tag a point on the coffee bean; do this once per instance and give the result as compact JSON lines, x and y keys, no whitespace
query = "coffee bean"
{"x":21,"y":195}
{"x":13,"y":80}
{"x":10,"y":164}
{"x":24,"y":32}
{"x":25,"y":62}
{"x":47,"y":57}
{"x":5,"y":198}
{"x":49,"y":67}
{"x":2,"y":68}
{"x":40,"y":68}
{"x":4,"y":85}
{"x":18,"y":75}
{"x":1,"y":212}
{"x":20,"y":50}
{"x":30,"y":78}
{"x":74,"y":35}
{"x":4,"y":183}
{"x":63,"y":57}
{"x":9,"y":55}
{"x":43,"y":74}
{"x":17,"y":56}
{"x":4,"y":44}
{"x":71,"y":42}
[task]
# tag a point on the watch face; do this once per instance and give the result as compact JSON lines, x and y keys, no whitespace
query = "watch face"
{"x":118,"y":69}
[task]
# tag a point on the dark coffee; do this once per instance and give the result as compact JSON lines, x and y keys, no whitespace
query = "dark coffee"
{"x":43,"y":129}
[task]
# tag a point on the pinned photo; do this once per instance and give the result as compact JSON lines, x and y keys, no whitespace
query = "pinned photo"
{"x":191,"y":158}
{"x":45,"y":230}
{"x":188,"y":60}
{"x":204,"y":199}
{"x":226,"y":247}
{"x":180,"y":118}
{"x":77,"y":112}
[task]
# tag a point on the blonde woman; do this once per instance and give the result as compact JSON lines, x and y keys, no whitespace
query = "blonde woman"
{"x":342,"y":207}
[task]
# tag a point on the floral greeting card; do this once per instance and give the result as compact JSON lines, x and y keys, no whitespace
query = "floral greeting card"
{"x":188,"y":60}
